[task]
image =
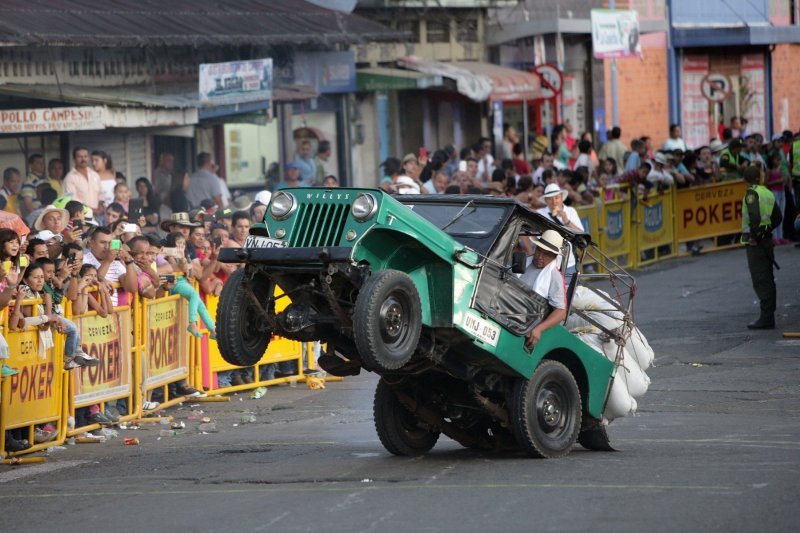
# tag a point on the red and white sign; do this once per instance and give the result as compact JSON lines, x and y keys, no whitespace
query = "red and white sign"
{"x":716,"y":87}
{"x":552,"y":80}
{"x":52,"y":119}
{"x":694,"y":106}
{"x":752,"y":97}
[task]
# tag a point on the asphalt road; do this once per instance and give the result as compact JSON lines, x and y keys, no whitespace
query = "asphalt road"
{"x":714,"y":446}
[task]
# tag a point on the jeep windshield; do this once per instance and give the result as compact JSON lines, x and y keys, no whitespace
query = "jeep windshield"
{"x":471,"y":223}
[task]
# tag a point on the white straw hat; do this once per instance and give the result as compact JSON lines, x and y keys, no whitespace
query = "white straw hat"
{"x":554,"y":190}
{"x":550,"y":241}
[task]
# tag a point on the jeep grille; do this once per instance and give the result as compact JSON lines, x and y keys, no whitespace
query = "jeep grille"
{"x":319,"y":225}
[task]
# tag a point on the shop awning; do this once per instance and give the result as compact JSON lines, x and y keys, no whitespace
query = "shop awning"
{"x":481,"y":81}
{"x":150,"y":105}
{"x":391,"y":79}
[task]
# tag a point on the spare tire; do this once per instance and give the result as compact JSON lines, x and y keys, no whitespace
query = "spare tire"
{"x":387,"y":320}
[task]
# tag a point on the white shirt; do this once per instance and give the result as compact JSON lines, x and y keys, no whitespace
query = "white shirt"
{"x":485,"y":168}
{"x":115,"y":271}
{"x":660,"y":176}
{"x":548,"y":283}
{"x":674,"y":144}
{"x":573,"y":218}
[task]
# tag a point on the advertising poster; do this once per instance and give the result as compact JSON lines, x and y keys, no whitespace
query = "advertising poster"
{"x":35,"y":392}
{"x":109,"y":340}
{"x":709,"y":210}
{"x":615,"y":33}
{"x":235,"y":82}
{"x":166,"y":355}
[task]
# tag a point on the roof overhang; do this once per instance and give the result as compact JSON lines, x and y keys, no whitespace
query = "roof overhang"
{"x":481,"y":81}
{"x":687,"y":36}
{"x":149,"y":106}
{"x":497,"y":34}
{"x":389,"y":79}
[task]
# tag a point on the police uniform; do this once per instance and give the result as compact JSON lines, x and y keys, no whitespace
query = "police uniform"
{"x":760,"y":214}
{"x":729,"y":165}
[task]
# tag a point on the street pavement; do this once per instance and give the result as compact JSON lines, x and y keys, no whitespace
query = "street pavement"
{"x":713,"y":447}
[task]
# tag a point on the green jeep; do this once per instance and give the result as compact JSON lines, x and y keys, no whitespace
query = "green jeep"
{"x":420,"y":289}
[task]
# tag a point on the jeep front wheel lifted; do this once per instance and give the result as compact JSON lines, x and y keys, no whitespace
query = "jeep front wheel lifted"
{"x":546,"y":411}
{"x":387,"y":320}
{"x":399,"y":430}
{"x":242,"y":330}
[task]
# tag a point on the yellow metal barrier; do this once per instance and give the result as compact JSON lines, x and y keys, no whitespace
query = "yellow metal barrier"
{"x":110,"y":339}
{"x":710,"y":212}
{"x":37,"y":394}
{"x":616,"y":240}
{"x":653,"y":228}
{"x":165,"y":346}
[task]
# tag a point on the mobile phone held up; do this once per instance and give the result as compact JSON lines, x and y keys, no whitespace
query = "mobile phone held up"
{"x":169,"y":278}
{"x":116,"y":244}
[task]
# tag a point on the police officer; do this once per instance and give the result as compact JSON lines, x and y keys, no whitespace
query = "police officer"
{"x":731,"y":162}
{"x":760,"y":214}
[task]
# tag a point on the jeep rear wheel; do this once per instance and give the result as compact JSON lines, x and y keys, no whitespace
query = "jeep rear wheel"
{"x":242,"y":331}
{"x":387,"y":320}
{"x":546,"y":411}
{"x":400,"y":431}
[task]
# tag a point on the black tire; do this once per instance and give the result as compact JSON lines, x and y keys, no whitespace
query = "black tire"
{"x":545,"y":411}
{"x":387,"y":320}
{"x":398,"y":429}
{"x":242,"y":332}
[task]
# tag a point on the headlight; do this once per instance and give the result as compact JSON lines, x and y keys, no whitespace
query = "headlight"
{"x":283,"y":204}
{"x":364,"y":207}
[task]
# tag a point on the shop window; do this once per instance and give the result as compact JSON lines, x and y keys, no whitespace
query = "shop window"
{"x":438,"y":31}
{"x":249,"y":151}
{"x":410,"y":26}
{"x":467,"y":31}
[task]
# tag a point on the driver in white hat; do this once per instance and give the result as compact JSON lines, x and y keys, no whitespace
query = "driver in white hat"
{"x":544,"y":277}
{"x":561,"y":214}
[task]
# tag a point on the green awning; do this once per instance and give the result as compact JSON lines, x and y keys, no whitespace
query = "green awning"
{"x":393,"y":79}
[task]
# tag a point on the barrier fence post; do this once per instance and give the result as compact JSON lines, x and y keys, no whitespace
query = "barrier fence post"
{"x":36,"y":395}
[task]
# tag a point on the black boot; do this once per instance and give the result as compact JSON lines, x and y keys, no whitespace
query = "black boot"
{"x":763,"y":323}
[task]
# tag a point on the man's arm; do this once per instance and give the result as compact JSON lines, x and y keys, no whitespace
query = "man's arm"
{"x":555,"y":317}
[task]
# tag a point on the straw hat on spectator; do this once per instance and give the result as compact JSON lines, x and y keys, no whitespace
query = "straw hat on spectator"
{"x":410,"y":157}
{"x":660,"y":158}
{"x":178,"y":219}
{"x":242,"y":203}
{"x":264,"y":197}
{"x":550,"y":241}
{"x":554,"y":190}
{"x":716,"y":146}
{"x":51,"y":209}
{"x":406,"y":185}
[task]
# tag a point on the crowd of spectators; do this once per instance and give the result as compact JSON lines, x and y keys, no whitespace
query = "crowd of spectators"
{"x":589,"y":177}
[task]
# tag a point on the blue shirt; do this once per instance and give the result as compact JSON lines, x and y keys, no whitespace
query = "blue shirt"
{"x":633,"y":162}
{"x":308,"y":168}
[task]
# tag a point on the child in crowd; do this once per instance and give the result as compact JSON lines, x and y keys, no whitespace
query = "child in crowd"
{"x":33,"y":288}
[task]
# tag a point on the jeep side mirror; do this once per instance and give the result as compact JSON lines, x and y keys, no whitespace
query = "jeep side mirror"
{"x":519,"y":262}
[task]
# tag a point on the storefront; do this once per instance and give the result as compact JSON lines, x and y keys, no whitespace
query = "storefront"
{"x":719,"y":84}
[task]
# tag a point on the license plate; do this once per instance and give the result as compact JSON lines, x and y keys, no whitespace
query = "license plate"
{"x":254,"y":241}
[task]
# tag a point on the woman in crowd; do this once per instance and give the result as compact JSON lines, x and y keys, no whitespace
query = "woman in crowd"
{"x":146,"y":192}
{"x":103,"y":165}
{"x":177,"y":192}
{"x":182,"y":287}
{"x":23,"y":316}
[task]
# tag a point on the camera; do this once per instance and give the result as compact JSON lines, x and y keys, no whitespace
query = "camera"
{"x":169,"y":278}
